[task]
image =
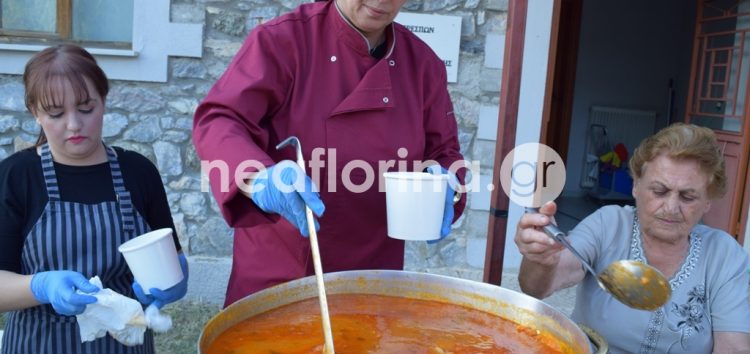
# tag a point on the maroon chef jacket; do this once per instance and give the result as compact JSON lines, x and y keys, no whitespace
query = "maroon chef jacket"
{"x":308,"y":73}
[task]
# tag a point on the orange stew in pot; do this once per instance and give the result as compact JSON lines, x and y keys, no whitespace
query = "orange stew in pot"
{"x":364,"y":323}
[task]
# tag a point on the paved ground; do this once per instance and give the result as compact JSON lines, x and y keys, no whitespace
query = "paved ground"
{"x":563,"y":300}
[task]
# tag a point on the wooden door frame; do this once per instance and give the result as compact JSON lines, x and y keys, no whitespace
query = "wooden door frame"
{"x":740,"y":199}
{"x":556,"y":127}
{"x":510,"y":89}
{"x":556,"y":114}
{"x":744,"y":210}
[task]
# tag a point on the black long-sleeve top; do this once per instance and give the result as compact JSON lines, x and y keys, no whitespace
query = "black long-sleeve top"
{"x":23,"y":195}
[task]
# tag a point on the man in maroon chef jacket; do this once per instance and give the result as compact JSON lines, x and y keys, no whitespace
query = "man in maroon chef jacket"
{"x":352,"y":85}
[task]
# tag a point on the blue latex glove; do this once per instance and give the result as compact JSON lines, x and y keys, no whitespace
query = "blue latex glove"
{"x":278,"y":190}
{"x":58,"y":288}
{"x":445,"y":229}
{"x":162,"y":297}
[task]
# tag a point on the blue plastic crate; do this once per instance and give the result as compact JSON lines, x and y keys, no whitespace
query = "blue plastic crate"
{"x":618,"y":181}
{"x":605,"y":179}
{"x":623,"y":182}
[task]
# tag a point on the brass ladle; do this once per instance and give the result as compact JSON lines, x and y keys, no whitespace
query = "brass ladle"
{"x":635,"y":284}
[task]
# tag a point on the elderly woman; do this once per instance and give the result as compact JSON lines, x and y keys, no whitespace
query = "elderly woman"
{"x":677,"y":173}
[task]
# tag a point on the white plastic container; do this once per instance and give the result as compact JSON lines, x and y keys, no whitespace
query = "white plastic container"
{"x":415,"y":203}
{"x":152,"y":258}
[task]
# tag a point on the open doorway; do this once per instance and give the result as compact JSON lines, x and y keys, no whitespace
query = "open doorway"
{"x":621,"y":65}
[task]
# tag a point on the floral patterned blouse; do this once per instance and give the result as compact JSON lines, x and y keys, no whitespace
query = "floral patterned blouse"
{"x":709,"y":291}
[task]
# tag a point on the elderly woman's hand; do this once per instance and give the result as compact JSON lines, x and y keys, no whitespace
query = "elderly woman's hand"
{"x":533,"y":243}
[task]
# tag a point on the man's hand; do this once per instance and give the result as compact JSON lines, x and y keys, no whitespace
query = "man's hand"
{"x":285,"y":189}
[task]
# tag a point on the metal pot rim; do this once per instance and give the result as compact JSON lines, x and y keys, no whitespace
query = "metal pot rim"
{"x":508,"y":304}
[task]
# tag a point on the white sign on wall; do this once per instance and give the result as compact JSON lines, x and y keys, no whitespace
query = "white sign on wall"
{"x":441,"y":33}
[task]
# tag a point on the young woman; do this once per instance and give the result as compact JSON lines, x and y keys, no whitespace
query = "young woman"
{"x":66,"y":205}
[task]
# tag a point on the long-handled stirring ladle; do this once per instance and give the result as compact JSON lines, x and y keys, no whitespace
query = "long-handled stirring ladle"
{"x":633,"y":283}
{"x":327,"y":334}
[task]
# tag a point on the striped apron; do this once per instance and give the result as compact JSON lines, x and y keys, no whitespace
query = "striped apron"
{"x":83,"y":238}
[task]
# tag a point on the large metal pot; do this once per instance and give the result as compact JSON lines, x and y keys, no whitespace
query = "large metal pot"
{"x":502,"y":302}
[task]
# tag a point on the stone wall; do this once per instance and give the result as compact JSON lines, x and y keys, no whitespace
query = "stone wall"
{"x":155,"y":119}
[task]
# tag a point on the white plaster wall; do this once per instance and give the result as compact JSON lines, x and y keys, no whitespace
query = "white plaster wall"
{"x":531,"y":102}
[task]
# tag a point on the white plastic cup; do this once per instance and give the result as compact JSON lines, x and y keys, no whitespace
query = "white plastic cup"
{"x":152,"y":258}
{"x":415,"y":202}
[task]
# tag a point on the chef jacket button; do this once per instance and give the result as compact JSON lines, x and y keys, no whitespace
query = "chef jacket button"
{"x":333,"y":58}
{"x":392,"y":62}
{"x":385,"y":99}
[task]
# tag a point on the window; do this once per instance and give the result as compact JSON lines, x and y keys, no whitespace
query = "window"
{"x":131,"y":39}
{"x":92,"y":23}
